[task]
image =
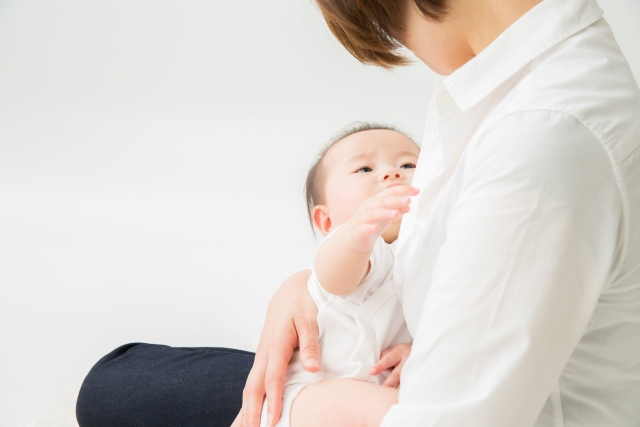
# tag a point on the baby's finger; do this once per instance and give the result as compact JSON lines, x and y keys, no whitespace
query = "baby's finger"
{"x":390,"y":197}
{"x":400,"y":190}
{"x":391,"y":358}
{"x":377,"y":215}
{"x":384,"y":352}
{"x":393,"y":202}
{"x":393,"y":379}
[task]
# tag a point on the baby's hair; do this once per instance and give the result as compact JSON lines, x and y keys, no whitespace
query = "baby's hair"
{"x":314,"y":185}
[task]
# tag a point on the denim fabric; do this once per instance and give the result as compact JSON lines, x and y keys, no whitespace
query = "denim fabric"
{"x":146,"y":385}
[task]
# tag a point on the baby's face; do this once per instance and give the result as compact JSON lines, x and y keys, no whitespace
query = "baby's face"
{"x":363,"y":164}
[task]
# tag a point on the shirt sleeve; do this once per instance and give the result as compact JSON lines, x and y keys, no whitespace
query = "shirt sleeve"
{"x":531,"y":244}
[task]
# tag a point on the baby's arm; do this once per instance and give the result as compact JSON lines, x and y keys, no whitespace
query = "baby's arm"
{"x":343,"y":260}
{"x":339,"y":267}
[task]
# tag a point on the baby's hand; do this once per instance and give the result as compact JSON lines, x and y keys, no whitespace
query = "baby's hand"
{"x":376,"y":213}
{"x":393,"y":357}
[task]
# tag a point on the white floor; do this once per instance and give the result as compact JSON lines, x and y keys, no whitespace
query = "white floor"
{"x":152,"y":157}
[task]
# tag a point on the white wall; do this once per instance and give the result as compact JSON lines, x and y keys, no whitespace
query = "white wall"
{"x":152,"y":155}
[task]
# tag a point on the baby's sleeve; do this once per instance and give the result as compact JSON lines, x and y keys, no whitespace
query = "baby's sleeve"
{"x":382,"y":258}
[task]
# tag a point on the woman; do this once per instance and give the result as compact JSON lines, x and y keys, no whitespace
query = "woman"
{"x":519,"y":262}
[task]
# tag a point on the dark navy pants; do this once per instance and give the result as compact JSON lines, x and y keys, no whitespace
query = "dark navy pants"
{"x":145,"y":385}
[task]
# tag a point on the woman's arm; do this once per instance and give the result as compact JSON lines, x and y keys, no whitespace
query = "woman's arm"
{"x":531,"y":244}
{"x":290,"y":323}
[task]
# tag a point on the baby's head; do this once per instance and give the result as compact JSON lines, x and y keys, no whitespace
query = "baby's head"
{"x":358,"y":163}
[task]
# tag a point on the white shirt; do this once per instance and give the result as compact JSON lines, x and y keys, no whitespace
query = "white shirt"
{"x":520,"y":259}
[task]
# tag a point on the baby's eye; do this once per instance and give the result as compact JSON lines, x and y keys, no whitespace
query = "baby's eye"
{"x":364,"y":169}
{"x":408,"y":166}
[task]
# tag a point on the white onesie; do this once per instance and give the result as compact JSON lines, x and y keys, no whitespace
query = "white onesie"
{"x":353,"y":330}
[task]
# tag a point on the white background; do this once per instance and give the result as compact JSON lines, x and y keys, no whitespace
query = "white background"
{"x":152,"y":157}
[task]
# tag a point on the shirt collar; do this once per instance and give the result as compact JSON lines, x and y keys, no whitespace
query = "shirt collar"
{"x":547,"y":24}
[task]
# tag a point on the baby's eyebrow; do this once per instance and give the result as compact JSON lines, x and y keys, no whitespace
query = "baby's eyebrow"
{"x":365,"y":155}
{"x":358,"y":157}
{"x":407,"y":153}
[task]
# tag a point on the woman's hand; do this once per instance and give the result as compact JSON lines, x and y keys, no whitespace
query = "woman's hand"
{"x":290,"y":323}
{"x":393,"y":357}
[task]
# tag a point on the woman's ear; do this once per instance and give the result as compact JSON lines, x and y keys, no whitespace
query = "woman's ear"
{"x":321,"y":219}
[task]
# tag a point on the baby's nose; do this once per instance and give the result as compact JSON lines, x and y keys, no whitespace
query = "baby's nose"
{"x":391,"y":173}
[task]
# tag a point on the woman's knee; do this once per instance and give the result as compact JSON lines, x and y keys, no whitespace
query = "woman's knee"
{"x":95,"y":404}
{"x":156,"y":385}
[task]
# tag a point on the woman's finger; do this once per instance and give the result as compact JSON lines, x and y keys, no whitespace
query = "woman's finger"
{"x":277,"y":342}
{"x":238,"y":421}
{"x":274,"y":380}
{"x":307,"y":329}
{"x":254,"y":391}
{"x":253,"y":395}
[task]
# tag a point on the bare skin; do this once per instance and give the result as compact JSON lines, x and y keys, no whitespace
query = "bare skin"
{"x":469,"y":27}
{"x":290,"y":322}
{"x":366,"y":191}
{"x":338,"y":403}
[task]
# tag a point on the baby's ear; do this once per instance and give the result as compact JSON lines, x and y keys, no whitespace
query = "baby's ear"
{"x":321,"y":219}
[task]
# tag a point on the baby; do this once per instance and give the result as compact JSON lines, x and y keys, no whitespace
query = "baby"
{"x":357,"y":192}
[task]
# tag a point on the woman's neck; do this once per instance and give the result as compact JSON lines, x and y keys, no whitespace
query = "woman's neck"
{"x":467,"y":29}
{"x":485,"y":20}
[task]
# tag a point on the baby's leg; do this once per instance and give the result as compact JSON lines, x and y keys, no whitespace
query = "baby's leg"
{"x":289,"y":395}
{"x":342,"y":403}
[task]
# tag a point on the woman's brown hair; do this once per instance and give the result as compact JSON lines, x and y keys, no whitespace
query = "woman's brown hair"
{"x":370,"y":29}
